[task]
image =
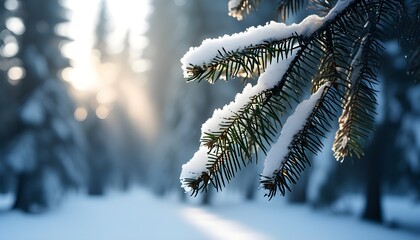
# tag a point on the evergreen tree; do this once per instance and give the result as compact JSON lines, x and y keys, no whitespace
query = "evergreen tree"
{"x":9,"y":93}
{"x":44,"y":149}
{"x":334,"y":56}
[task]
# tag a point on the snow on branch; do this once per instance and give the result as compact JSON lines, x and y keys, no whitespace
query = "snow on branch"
{"x":194,"y":168}
{"x":211,"y":49}
{"x":293,"y":125}
{"x":297,"y":135}
{"x":198,"y":166}
{"x":267,"y":80}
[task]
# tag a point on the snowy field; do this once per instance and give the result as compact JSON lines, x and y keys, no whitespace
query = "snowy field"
{"x":140,"y":215}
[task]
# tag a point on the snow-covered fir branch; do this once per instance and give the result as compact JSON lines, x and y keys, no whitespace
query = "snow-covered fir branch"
{"x":198,"y":164}
{"x":210,"y":159}
{"x":267,"y":80}
{"x":329,"y":54}
{"x":299,"y":125}
{"x":291,"y":127}
{"x":211,"y":48}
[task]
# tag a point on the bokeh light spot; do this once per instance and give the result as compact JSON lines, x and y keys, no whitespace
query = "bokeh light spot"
{"x":80,"y":114}
{"x":102,"y":112}
{"x":15,"y":74}
{"x":15,"y":25}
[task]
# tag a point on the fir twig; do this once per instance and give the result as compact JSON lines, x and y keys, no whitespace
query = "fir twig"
{"x":308,"y":139}
{"x":286,"y":8}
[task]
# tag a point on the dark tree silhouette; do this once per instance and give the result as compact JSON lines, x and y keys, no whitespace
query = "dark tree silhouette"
{"x":44,"y":147}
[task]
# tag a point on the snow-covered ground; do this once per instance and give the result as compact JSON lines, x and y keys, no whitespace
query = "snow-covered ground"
{"x":140,"y":215}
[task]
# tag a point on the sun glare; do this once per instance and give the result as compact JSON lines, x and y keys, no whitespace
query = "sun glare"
{"x":102,"y":81}
{"x":106,"y":96}
{"x":125,"y":15}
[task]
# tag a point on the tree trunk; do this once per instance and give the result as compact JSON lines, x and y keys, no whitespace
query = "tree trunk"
{"x":376,"y":153}
{"x":21,"y":200}
{"x":373,"y":203}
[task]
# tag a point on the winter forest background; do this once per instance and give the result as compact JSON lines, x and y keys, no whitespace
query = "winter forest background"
{"x":97,"y":120}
